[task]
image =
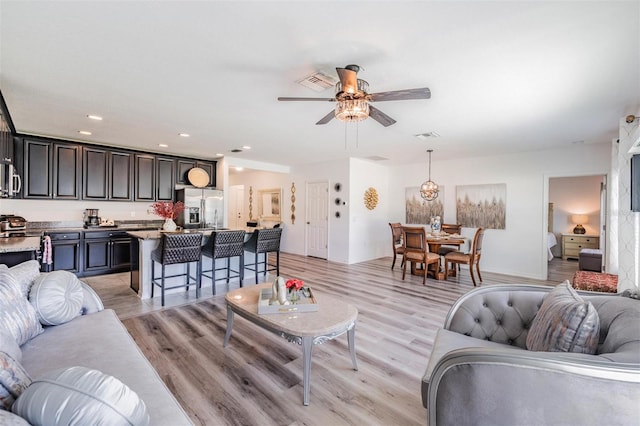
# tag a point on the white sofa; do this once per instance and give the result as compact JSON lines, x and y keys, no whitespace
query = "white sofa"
{"x":98,"y":340}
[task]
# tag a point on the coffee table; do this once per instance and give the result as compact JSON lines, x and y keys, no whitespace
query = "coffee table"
{"x":332,"y":319}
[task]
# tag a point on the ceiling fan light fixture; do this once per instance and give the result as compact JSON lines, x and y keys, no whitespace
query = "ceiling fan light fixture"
{"x":429,"y":189}
{"x":350,"y":110}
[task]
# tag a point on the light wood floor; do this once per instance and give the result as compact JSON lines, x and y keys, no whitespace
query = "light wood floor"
{"x":257,"y":379}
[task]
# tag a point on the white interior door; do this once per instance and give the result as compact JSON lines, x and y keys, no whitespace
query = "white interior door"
{"x":237,"y":219}
{"x":318,"y":219}
{"x":603,"y":222}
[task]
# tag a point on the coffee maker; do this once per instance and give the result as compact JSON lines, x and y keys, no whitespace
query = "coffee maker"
{"x":91,"y":218}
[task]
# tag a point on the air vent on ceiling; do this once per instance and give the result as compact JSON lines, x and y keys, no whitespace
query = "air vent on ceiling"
{"x":318,"y":81}
{"x":428,"y":135}
{"x":376,"y":158}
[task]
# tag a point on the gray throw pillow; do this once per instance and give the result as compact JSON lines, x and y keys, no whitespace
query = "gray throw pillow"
{"x":9,"y":345}
{"x":25,"y":273}
{"x":7,"y":418}
{"x":13,"y":380}
{"x":17,"y":316}
{"x":565,"y":322}
{"x":57,"y":297}
{"x":83,"y":396}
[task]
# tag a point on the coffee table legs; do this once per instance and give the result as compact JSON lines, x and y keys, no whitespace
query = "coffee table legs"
{"x":229,"y":327}
{"x":351,"y":338}
{"x":307,"y":345}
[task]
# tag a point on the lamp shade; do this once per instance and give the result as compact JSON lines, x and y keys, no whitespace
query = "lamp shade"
{"x":579,"y":219}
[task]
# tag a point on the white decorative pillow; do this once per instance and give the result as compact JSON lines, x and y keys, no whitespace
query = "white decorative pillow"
{"x":13,"y":380}
{"x":80,"y":395}
{"x":25,"y":273}
{"x":91,"y":302}
{"x":7,"y":418}
{"x":17,"y":316}
{"x":57,"y":297}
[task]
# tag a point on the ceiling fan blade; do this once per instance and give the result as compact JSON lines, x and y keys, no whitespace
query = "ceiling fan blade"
{"x":380,"y":116}
{"x":327,"y":118}
{"x":349,"y":80}
{"x":401,"y":95}
{"x":307,"y":99}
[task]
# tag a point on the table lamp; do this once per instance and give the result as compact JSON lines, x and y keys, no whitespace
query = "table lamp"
{"x":579,"y":219}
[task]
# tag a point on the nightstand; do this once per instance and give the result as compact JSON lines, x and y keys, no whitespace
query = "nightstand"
{"x":573,"y":243}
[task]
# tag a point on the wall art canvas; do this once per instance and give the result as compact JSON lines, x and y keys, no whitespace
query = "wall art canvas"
{"x":482,"y":205}
{"x":419,"y":211}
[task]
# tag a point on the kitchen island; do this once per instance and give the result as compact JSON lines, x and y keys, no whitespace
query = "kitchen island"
{"x":15,"y":250}
{"x":148,"y":240}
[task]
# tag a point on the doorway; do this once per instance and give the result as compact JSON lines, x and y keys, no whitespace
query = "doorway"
{"x":237,"y":219}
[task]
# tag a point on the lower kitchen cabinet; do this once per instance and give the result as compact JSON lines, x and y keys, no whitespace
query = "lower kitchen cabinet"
{"x":106,"y":252}
{"x":66,"y":251}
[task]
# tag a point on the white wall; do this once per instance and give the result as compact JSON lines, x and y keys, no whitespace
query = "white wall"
{"x":520,"y":249}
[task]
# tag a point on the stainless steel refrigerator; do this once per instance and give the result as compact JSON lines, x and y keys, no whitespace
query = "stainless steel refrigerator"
{"x":204,"y":208}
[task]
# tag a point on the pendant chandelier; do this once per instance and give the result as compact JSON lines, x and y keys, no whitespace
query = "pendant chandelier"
{"x":429,"y":189}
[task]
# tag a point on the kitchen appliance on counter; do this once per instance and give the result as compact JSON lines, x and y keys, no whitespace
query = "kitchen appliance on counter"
{"x":204,"y":208}
{"x":10,"y":182}
{"x":11,"y":222}
{"x":91,"y":218}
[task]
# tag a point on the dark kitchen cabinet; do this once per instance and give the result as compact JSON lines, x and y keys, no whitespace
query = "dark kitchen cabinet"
{"x":182,"y":169}
{"x":106,"y":252}
{"x":107,"y":175}
{"x":165,"y":179}
{"x":66,"y":251}
{"x":51,"y":170}
{"x":145,"y":183}
{"x":184,"y":165}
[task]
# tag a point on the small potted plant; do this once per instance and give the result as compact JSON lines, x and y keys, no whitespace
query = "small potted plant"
{"x":169,"y":211}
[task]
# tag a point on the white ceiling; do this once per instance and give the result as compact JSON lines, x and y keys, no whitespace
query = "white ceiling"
{"x":504,"y":76}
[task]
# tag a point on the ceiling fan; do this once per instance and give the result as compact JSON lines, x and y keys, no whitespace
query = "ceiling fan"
{"x":353,"y":99}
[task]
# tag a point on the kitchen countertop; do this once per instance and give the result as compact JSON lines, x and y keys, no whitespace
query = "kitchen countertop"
{"x":16,"y":244}
{"x":155,"y":234}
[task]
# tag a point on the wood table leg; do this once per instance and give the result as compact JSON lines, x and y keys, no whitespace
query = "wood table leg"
{"x":229,"y":326}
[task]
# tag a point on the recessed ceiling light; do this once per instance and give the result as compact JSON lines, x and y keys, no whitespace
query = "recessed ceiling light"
{"x":427,"y":135}
{"x":246,"y":147}
{"x":239,"y":169}
{"x":84,"y":132}
{"x":236,"y":150}
{"x":163,"y":145}
{"x":184,"y":135}
{"x":94,"y":117}
{"x":219,"y":154}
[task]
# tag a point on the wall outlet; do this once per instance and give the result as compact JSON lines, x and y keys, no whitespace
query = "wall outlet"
{"x":133,"y":214}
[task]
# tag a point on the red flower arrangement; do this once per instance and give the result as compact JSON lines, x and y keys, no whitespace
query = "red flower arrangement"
{"x":294,"y":285}
{"x":167,"y":209}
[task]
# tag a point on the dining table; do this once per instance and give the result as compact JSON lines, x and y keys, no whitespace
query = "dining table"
{"x":435,"y":241}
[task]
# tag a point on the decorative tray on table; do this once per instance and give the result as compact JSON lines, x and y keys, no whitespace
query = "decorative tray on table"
{"x":306,"y":303}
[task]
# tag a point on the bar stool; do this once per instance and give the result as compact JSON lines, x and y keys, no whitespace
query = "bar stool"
{"x":264,"y":241}
{"x":224,"y":245}
{"x":175,"y":249}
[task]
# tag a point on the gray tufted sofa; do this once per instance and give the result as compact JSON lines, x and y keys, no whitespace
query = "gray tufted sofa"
{"x":480,"y":372}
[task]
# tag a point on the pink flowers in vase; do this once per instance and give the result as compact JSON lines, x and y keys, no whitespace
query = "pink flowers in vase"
{"x":167,"y":209}
{"x":294,"y":285}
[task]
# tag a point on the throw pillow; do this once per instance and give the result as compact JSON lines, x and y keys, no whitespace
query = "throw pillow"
{"x":7,"y":418}
{"x":17,"y":316}
{"x":565,"y":322}
{"x":8,"y":344}
{"x":80,"y":395}
{"x":57,"y":297}
{"x":13,"y":380}
{"x":25,"y":273}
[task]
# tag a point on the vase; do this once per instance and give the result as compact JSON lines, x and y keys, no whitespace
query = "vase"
{"x":169,"y":225}
{"x":294,"y":297}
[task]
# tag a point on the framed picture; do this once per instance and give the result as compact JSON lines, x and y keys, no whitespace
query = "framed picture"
{"x":420,"y":211}
{"x":269,"y":203}
{"x":481,"y":205}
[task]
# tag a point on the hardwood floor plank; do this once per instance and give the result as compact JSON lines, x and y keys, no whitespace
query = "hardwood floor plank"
{"x":257,"y":378}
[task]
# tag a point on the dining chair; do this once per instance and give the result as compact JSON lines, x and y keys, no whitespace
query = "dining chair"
{"x":449,"y":228}
{"x":472,"y":258}
{"x":416,"y":250}
{"x":396,"y":242}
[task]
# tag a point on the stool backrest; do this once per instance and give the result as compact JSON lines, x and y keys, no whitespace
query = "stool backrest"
{"x":268,"y":240}
{"x":180,"y":248}
{"x":222,"y":244}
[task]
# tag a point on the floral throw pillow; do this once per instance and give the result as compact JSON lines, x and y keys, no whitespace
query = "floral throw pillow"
{"x":565,"y":322}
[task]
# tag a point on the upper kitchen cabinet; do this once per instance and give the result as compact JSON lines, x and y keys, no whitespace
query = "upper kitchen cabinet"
{"x":107,"y":175}
{"x":51,"y":170}
{"x":145,"y":177}
{"x":184,"y":165}
{"x":165,"y":178}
